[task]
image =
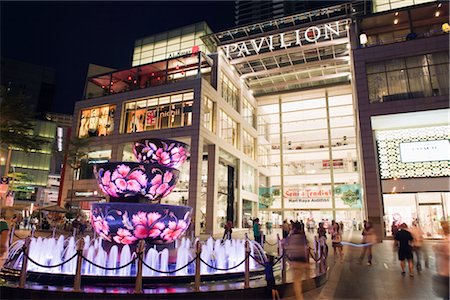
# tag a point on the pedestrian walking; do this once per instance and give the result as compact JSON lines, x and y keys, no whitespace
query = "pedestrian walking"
{"x":442,"y":250}
{"x":336,"y":239}
{"x":404,"y":238}
{"x":270,"y":278}
{"x":417,"y":243}
{"x":285,"y":229}
{"x":369,"y":238}
{"x":297,"y":253}
{"x":257,"y":231}
{"x":228,"y":230}
{"x":4,"y":237}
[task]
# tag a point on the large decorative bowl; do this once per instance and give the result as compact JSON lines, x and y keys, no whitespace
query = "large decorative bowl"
{"x":127,"y":223}
{"x":135,"y":182}
{"x":168,"y":153}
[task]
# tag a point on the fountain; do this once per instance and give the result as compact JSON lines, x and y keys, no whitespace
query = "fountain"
{"x":134,"y":213}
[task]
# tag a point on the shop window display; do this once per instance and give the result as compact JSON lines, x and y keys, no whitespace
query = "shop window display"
{"x":97,"y":121}
{"x":158,"y":113}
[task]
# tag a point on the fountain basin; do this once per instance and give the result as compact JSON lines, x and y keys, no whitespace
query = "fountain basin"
{"x":132,"y":182}
{"x":164,"y":152}
{"x":127,"y":223}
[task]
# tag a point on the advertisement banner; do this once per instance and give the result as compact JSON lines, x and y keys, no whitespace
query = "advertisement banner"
{"x":348,"y":196}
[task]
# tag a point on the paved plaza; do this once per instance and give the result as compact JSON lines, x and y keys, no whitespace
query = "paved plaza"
{"x":353,"y":280}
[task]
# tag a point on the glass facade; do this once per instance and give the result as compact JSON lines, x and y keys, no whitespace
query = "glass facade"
{"x":158,"y":113}
{"x":170,"y":44}
{"x":208,"y":114}
{"x":383,"y":5}
{"x":249,"y":112}
{"x":87,"y":163}
{"x":228,"y":129}
{"x":411,"y":77}
{"x":229,"y":91}
{"x":97,"y":121}
{"x":248,"y":143}
{"x":311,"y":164}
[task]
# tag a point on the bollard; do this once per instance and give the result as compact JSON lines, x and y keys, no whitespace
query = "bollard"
{"x":23,"y":272}
{"x":247,"y":265}
{"x":77,"y":280}
{"x":283,"y":266}
{"x":197,"y":266}
{"x":140,"y":253}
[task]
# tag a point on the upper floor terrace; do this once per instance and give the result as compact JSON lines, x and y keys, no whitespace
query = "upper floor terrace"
{"x":158,"y":73}
{"x":407,"y":23}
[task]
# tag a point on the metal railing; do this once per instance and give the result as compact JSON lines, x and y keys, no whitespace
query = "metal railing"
{"x":318,"y":253}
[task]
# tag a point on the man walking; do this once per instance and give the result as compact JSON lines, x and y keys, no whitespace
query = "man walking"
{"x":403,"y":239}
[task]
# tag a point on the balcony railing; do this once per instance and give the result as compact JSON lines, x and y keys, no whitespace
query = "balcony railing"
{"x":145,"y":76}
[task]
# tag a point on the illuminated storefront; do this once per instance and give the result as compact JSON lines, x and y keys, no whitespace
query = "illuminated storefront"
{"x":272,"y":112}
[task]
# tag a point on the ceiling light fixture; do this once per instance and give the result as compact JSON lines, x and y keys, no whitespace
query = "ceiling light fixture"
{"x":395,"y":21}
{"x":437,"y":14}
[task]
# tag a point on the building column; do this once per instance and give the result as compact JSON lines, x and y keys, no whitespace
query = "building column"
{"x":195,"y":178}
{"x":211,"y":190}
{"x":238,"y":196}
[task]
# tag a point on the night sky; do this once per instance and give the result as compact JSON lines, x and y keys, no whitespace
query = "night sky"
{"x":67,"y":36}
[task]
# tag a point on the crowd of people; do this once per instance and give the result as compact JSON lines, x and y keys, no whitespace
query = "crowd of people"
{"x":408,"y":246}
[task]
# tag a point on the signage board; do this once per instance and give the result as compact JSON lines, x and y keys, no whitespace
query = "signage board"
{"x":437,"y":150}
{"x":284,"y":40}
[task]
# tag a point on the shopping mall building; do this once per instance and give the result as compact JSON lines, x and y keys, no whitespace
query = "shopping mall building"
{"x":329,"y":114}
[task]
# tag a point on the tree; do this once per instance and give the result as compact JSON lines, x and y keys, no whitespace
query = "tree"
{"x":75,"y":152}
{"x":17,"y":123}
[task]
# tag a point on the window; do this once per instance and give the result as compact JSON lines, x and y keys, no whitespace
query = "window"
{"x":229,"y":92}
{"x":249,"y":113}
{"x":249,"y":144}
{"x":248,"y":178}
{"x":408,"y":78}
{"x":96,"y":121}
{"x":208,"y":113}
{"x":158,"y":113}
{"x":228,"y":129}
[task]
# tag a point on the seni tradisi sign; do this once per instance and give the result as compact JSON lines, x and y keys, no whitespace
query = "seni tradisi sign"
{"x":288,"y":39}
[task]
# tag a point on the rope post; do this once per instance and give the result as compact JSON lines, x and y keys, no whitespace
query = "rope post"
{"x":139,"y":251}
{"x":77,"y":280}
{"x":278,"y":244}
{"x":54,"y":231}
{"x":197,"y":266}
{"x":247,"y":265}
{"x":11,"y":234}
{"x":23,"y":271}
{"x":283,"y":266}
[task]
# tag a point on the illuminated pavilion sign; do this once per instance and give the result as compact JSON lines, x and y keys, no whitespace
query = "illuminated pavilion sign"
{"x":283,"y":40}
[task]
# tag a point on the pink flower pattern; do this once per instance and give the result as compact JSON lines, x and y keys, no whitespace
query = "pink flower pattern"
{"x":160,"y":185}
{"x":124,"y":237}
{"x":143,"y":224}
{"x":174,"y":230}
{"x":101,"y":226}
{"x":123,"y":180}
{"x":151,"y":225}
{"x":172,"y":154}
